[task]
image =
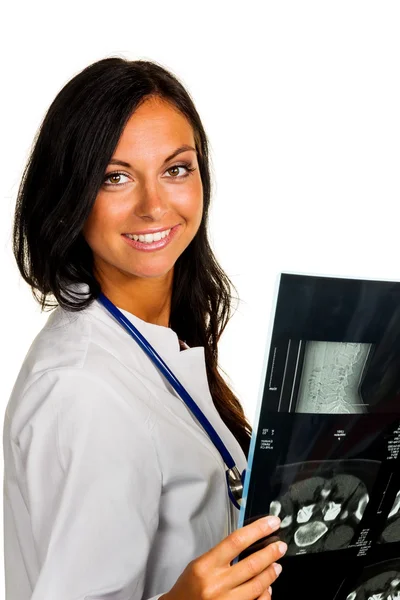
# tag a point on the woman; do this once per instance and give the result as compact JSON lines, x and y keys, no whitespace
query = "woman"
{"x":112,"y":488}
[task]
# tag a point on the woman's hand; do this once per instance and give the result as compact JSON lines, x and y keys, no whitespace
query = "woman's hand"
{"x":212,"y":577}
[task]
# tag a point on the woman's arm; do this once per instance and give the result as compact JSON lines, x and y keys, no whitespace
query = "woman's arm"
{"x":92,"y":484}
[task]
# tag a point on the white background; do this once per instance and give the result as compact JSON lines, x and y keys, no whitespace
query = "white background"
{"x":301,"y":103}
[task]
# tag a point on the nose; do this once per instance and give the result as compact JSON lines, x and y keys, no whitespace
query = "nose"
{"x":151,"y":202}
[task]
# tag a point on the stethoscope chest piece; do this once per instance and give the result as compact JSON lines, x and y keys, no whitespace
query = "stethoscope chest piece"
{"x":235,"y":483}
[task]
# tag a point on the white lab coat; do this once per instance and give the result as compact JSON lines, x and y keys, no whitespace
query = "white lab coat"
{"x":111,"y":487}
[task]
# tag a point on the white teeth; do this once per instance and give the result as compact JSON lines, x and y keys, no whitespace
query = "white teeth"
{"x":148,"y":238}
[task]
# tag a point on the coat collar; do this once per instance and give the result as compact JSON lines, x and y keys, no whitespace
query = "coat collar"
{"x":162,"y":338}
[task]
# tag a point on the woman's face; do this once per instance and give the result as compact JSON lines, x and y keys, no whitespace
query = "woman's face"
{"x":152,"y":185}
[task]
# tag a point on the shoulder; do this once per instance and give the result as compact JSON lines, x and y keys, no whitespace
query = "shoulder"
{"x":62,"y":342}
{"x":76,"y":365}
{"x":85,"y":341}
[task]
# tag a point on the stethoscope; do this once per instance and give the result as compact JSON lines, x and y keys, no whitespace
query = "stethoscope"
{"x":233,"y":478}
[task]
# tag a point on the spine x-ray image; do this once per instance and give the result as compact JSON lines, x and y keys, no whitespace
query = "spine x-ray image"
{"x":332,"y":376}
{"x":335,"y":346}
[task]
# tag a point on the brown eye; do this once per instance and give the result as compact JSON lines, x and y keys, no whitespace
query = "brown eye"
{"x":114,"y":179}
{"x":175,"y":170}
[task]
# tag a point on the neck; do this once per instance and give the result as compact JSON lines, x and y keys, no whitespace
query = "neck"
{"x":147,"y":298}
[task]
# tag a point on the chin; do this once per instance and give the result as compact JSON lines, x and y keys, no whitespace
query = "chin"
{"x":151,"y":273}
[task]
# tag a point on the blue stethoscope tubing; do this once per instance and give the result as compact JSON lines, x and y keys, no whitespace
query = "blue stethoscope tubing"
{"x":234,"y":479}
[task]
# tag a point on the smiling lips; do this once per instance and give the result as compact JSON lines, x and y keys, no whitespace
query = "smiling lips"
{"x":148,"y":237}
{"x":151,"y":241}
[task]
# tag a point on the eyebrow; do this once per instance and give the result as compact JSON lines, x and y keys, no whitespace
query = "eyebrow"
{"x":116,"y":161}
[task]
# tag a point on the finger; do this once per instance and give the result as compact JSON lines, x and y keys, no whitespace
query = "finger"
{"x":239,"y":540}
{"x":256,"y":587}
{"x":255,"y":564}
{"x":267,"y":595}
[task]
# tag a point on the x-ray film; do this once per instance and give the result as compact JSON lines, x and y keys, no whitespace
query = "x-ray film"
{"x":324,"y":454}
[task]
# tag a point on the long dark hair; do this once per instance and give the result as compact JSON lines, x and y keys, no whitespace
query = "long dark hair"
{"x":61,"y":180}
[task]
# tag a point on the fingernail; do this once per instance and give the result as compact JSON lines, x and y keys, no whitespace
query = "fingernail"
{"x":270,"y":590}
{"x":272,"y":522}
{"x":277,"y":568}
{"x":282,"y":547}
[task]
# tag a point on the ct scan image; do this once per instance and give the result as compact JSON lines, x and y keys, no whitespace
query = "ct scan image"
{"x":321,"y":503}
{"x":380,"y":582}
{"x":391,"y":532}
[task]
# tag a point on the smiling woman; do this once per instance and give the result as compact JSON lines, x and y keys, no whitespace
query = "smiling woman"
{"x":111,"y":487}
{"x":160,"y":191}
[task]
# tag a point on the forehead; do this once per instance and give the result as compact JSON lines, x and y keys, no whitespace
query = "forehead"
{"x":157,"y":121}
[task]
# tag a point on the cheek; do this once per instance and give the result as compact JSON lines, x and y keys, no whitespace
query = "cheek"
{"x":189,"y":201}
{"x":107,"y":214}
